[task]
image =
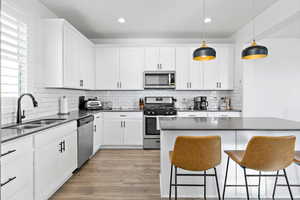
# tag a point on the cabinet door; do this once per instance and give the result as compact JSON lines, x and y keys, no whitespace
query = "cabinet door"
{"x":113,"y":132}
{"x":98,"y":130}
{"x":167,"y":58}
{"x":183,"y":61}
{"x":151,"y":58}
{"x":211,"y":73}
{"x":196,"y":73}
{"x":71,"y":58}
{"x":68,"y":159}
{"x":226,"y":68}
{"x":87,"y":64}
{"x":107,"y":68}
{"x":133,"y":132}
{"x":47,"y":169}
{"x":131,"y":68}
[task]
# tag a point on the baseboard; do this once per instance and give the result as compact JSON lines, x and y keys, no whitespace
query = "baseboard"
{"x":121,"y":147}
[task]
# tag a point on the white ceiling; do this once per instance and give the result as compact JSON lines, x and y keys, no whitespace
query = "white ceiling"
{"x":288,"y":29}
{"x":156,"y":18}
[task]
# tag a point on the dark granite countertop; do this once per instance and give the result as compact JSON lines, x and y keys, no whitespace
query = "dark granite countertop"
{"x":11,"y":134}
{"x":192,"y":110}
{"x":238,"y":124}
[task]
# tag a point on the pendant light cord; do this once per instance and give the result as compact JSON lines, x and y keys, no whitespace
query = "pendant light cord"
{"x":203,"y":17}
{"x":253,"y":21}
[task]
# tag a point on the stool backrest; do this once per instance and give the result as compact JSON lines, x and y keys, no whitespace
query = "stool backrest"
{"x":197,"y":153}
{"x":268,"y":153}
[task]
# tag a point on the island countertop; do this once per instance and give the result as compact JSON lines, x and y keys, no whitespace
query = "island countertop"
{"x":236,"y":123}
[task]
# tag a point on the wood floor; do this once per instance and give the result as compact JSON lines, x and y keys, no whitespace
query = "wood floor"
{"x":115,"y":175}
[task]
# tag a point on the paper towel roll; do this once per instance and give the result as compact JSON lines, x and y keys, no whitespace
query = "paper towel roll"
{"x":64,"y":105}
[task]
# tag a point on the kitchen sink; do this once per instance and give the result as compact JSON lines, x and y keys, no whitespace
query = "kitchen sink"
{"x":34,"y":124}
{"x":45,"y":121}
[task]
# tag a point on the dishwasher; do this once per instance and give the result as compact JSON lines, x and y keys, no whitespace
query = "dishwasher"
{"x":85,"y":139}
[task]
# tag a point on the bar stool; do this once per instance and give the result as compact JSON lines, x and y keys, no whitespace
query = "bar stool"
{"x":297,"y":158}
{"x":195,"y":153}
{"x":297,"y":162}
{"x":263,"y":153}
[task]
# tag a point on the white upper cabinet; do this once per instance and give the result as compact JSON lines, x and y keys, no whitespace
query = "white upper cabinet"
{"x":189,"y":73}
{"x":71,"y":57}
{"x":159,"y":58}
{"x":218,"y":73}
{"x":107,"y":68}
{"x":68,"y":56}
{"x":215,"y":74}
{"x":87,"y":64}
{"x":131,"y":68}
{"x":119,"y":68}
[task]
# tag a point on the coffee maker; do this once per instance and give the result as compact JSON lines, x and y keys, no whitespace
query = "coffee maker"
{"x":200,"y":103}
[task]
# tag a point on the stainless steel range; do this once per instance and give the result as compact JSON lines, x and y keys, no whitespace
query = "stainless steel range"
{"x":154,"y":108}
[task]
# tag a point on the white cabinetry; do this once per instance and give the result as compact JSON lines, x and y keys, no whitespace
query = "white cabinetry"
{"x":119,"y":68}
{"x":68,"y":56}
{"x":98,"y":131}
{"x":215,"y":74}
{"x":189,"y":73}
{"x":218,"y":72}
{"x":17,"y":169}
{"x":159,"y":58}
{"x":55,"y":158}
{"x":123,"y":129}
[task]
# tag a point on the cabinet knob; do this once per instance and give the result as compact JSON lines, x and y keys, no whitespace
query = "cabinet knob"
{"x":8,"y":152}
{"x":9,"y":180}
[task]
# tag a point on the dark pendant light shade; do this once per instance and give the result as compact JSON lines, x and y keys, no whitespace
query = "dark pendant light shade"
{"x":204,"y":53}
{"x":254,"y":51}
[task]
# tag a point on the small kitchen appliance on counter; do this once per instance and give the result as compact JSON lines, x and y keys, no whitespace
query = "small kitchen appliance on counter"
{"x":90,"y":104}
{"x":200,"y":103}
{"x":154,"y":108}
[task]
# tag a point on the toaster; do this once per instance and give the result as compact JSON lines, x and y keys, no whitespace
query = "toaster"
{"x":93,"y":105}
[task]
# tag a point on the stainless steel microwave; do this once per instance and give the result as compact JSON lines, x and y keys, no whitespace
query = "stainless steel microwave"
{"x":159,"y":79}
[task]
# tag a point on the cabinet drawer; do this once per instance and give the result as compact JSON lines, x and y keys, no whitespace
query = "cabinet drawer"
{"x":16,"y":148}
{"x":45,"y":137}
{"x":114,"y":115}
{"x":17,"y":174}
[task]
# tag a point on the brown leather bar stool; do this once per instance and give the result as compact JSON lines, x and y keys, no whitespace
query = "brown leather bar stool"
{"x":195,"y":153}
{"x":297,"y":158}
{"x":297,"y":162}
{"x":264,"y":153}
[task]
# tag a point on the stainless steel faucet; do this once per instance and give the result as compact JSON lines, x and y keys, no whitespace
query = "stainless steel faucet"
{"x":21,"y":116}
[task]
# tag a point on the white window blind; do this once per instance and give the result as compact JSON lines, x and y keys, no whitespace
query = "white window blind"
{"x":13,"y":56}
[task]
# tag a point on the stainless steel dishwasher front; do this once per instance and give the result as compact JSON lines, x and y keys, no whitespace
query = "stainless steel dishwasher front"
{"x":85,"y":139}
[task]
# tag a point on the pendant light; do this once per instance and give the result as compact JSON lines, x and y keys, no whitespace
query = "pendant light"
{"x":204,"y":53}
{"x":254,"y":51}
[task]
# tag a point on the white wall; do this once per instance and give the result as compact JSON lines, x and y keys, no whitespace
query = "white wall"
{"x":32,"y":12}
{"x":272,"y":85}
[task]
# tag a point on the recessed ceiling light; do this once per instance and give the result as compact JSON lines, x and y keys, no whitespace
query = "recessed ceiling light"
{"x":207,"y":20}
{"x":121,"y":20}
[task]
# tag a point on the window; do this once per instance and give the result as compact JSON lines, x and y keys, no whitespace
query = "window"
{"x":13,"y":56}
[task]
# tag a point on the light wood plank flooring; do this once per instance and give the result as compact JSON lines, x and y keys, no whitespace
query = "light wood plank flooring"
{"x":115,"y":175}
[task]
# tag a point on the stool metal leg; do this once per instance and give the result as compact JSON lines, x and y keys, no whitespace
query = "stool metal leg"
{"x":246,"y":183}
{"x":225,"y":181}
{"x":217,"y":183}
{"x":170,"y":189}
{"x":205,"y":185}
{"x":288,"y":184}
{"x":175,"y":183}
{"x":275,"y":185}
{"x":259,"y":180}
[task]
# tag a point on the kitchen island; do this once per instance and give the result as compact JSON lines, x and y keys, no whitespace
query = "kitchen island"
{"x":235,"y":134}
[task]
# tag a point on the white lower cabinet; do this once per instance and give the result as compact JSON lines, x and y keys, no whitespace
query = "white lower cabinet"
{"x":55,"y":158}
{"x":123,"y":129}
{"x":17,"y":169}
{"x":98,"y":131}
